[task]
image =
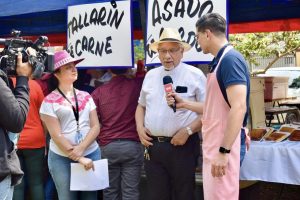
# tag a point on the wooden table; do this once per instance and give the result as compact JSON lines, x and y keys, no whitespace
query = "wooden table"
{"x":295,"y":102}
{"x":271,"y":111}
{"x":276,"y":102}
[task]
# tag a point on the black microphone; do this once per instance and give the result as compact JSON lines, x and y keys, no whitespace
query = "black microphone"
{"x":168,"y":84}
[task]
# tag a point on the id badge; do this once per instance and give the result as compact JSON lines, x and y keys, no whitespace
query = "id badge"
{"x":78,"y":137}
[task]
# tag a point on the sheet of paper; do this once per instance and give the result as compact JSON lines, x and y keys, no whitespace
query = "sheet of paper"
{"x":82,"y":180}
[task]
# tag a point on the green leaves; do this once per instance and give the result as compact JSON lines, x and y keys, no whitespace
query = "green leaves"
{"x":265,"y":45}
{"x":139,"y":52}
{"x":295,"y":83}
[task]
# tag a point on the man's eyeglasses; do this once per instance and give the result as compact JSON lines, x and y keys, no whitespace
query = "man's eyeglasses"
{"x":196,"y":36}
{"x":171,"y":51}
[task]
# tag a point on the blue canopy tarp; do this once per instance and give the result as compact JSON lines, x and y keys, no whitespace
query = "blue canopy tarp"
{"x":35,"y":17}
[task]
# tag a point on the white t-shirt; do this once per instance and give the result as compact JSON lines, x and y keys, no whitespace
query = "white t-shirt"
{"x":57,"y":106}
{"x":159,"y":117}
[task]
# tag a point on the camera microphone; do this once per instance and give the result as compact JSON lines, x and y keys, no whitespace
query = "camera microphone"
{"x":39,"y":42}
{"x":168,"y":84}
{"x":50,"y":59}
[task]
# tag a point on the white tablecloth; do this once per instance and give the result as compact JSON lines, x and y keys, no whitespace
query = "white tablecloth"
{"x":272,"y":162}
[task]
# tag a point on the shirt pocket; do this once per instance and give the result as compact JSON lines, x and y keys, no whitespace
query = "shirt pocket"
{"x":187,"y":96}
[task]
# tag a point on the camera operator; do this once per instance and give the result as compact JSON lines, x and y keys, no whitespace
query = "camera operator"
{"x":14,"y":106}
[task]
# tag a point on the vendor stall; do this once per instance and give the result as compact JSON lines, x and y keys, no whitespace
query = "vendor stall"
{"x":272,"y":162}
{"x":293,"y":102}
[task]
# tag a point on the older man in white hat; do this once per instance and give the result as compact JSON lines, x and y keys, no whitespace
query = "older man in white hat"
{"x":169,"y":133}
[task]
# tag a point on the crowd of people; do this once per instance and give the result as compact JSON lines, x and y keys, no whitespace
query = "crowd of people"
{"x":151,"y":119}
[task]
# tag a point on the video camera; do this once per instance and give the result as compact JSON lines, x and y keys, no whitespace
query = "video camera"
{"x":43,"y":61}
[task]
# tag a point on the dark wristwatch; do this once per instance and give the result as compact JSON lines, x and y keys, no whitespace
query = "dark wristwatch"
{"x":223,"y":150}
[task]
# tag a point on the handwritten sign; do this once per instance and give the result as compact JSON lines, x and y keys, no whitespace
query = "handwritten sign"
{"x":183,"y":15}
{"x":101,"y":33}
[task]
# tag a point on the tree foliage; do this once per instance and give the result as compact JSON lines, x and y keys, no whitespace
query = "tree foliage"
{"x":139,"y":52}
{"x":276,"y":44}
{"x":295,"y":83}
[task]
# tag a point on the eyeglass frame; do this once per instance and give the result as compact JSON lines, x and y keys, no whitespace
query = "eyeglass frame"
{"x":171,"y":51}
{"x":197,"y":34}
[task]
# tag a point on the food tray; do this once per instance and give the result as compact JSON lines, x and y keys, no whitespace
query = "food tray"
{"x":276,"y":136}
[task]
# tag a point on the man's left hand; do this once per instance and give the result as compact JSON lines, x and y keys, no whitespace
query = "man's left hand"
{"x":180,"y":137}
{"x":219,"y":165}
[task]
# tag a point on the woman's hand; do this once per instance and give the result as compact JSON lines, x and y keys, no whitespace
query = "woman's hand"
{"x":87,"y":163}
{"x":76,"y":152}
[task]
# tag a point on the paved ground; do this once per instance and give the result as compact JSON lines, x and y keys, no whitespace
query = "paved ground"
{"x":270,"y":191}
{"x":258,"y":191}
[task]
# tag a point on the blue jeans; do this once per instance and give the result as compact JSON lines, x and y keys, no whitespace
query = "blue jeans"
{"x":50,"y":190}
{"x":243,"y":146}
{"x":60,"y":170}
{"x":6,"y":190}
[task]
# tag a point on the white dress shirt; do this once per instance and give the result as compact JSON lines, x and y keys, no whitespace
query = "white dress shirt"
{"x":159,"y":117}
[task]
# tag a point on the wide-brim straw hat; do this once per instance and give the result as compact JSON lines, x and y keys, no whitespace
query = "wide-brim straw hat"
{"x":170,"y":35}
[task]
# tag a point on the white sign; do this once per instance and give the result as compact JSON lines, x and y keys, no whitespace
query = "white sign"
{"x":183,"y":15}
{"x":89,"y":180}
{"x":101,"y":33}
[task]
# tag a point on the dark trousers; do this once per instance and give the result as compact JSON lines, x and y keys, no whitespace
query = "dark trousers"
{"x":32,"y":161}
{"x":171,"y":170}
{"x":125,"y":160}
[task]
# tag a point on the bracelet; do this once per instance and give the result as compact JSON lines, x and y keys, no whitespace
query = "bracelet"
{"x":189,"y":131}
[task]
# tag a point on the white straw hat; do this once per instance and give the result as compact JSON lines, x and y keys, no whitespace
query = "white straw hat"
{"x":170,"y":35}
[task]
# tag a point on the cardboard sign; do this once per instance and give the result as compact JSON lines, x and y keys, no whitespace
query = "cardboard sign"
{"x":101,"y":33}
{"x":183,"y":15}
